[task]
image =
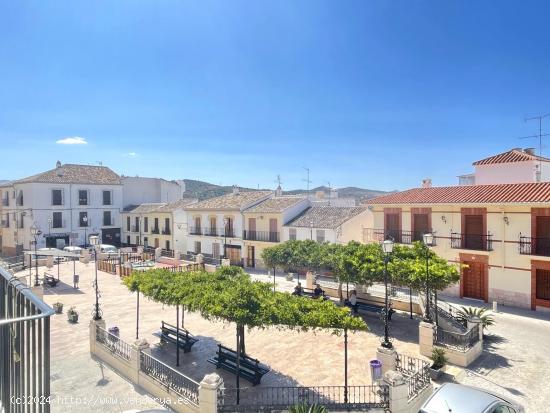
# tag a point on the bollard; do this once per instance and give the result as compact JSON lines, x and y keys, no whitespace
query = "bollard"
{"x":495,"y":307}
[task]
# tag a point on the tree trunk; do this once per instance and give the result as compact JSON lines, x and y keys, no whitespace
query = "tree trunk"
{"x":340,"y":293}
{"x":242,"y":349}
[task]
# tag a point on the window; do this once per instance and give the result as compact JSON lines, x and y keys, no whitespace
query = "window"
{"x":292,"y":233}
{"x":146,"y":241}
{"x":166,"y":226}
{"x":128,"y":224}
{"x":57,"y":220}
{"x":83,"y":219}
{"x":107,"y":218}
{"x":6,"y":221}
{"x":57,"y":197}
{"x":216,"y":250}
{"x":136,"y":229}
{"x":157,"y":225}
{"x":128,"y":240}
{"x":197,"y":247}
{"x":82,"y":197}
{"x":320,"y":234}
{"x":107,"y":198}
{"x":138,"y":240}
{"x":145,"y":224}
{"x":20,"y":199}
{"x":167,"y":245}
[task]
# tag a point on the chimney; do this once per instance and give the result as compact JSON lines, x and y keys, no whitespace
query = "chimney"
{"x":235,"y":190}
{"x":427,"y":183}
{"x":279,"y":191}
{"x":58,"y":164}
{"x":530,"y":151}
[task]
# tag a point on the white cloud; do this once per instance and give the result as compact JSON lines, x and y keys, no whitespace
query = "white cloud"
{"x":74,"y":140}
{"x":131,"y":155}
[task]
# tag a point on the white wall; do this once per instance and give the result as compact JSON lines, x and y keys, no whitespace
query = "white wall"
{"x":291,"y":212}
{"x":139,"y":190}
{"x":516,"y":172}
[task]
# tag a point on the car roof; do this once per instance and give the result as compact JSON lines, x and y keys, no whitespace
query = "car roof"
{"x":107,"y":246}
{"x":460,"y":399}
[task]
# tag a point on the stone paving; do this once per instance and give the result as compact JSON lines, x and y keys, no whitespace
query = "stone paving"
{"x":295,"y":358}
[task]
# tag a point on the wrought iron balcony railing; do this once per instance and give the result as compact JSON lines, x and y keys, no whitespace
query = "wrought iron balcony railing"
{"x":480,"y":242}
{"x":398,"y":236}
{"x":195,"y":230}
{"x":266,"y":236}
{"x":534,"y":246}
{"x":155,"y":231}
{"x":166,"y":231}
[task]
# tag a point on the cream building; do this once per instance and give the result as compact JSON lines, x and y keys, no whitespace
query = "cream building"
{"x":215,"y":226}
{"x":263,"y":224}
{"x":501,"y":232}
{"x":156,"y":225}
{"x":329,"y":224}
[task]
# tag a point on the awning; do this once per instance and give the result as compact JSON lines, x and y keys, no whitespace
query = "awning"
{"x":53,"y":253}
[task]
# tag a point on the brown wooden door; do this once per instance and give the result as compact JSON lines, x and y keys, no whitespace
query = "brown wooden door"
{"x":543,"y":285}
{"x":392,"y":227}
{"x":473,"y":237}
{"x":273,"y":236}
{"x":234,"y":256}
{"x":252,"y":228}
{"x":542,"y":240}
{"x":473,"y":278}
{"x":251,"y":256}
{"x":421,"y":226}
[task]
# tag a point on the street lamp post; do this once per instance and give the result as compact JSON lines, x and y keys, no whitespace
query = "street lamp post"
{"x":94,"y":241}
{"x":85,"y":220}
{"x":428,"y":241}
{"x":387,"y":247}
{"x":35,"y":232}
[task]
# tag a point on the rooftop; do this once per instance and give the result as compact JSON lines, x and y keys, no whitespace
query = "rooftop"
{"x":513,"y":155}
{"x":276,"y":204}
{"x":325,"y":216}
{"x":74,"y":174}
{"x":143,"y":208}
{"x":232,"y":201}
{"x":533,"y":192}
{"x":179,"y":204}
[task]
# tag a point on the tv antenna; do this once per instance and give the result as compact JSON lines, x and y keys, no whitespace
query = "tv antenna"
{"x":307,"y":181}
{"x":329,"y":192}
{"x":540,"y":135}
{"x":278,"y":180}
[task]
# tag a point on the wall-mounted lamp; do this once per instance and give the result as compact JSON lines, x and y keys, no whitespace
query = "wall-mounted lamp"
{"x":506,"y":220}
{"x":443,"y":219}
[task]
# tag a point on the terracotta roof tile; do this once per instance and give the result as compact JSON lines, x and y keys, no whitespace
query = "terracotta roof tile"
{"x":276,"y":204}
{"x":75,"y":174}
{"x":470,"y":194}
{"x":325,"y":216}
{"x":238,"y":201}
{"x":514,"y":155}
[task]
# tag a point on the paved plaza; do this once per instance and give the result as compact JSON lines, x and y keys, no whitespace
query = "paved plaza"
{"x":514,"y":362}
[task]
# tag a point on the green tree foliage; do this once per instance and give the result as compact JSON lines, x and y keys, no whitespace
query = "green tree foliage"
{"x":467,"y":313}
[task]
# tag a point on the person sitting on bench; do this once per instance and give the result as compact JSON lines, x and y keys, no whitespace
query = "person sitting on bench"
{"x":318,"y":291}
{"x":298,"y":290}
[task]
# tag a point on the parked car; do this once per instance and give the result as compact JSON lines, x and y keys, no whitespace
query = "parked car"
{"x":108,"y":249}
{"x":74,"y":249}
{"x":457,"y":398}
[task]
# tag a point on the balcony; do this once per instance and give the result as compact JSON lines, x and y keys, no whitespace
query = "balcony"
{"x":398,"y":236}
{"x":534,"y":246}
{"x":195,"y":230}
{"x":5,"y":202}
{"x":166,"y":231}
{"x":155,"y":231}
{"x":135,"y":228}
{"x":210,"y":232}
{"x":472,"y":241}
{"x":265,"y":236}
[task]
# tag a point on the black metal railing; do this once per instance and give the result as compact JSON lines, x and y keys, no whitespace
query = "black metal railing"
{"x":166,"y":231}
{"x":172,"y":379}
{"x":24,"y":347}
{"x":472,"y":241}
{"x":167,"y":253}
{"x":446,"y":311}
{"x":534,"y":246}
{"x":155,"y":231}
{"x":188,"y":257}
{"x":212,"y":261}
{"x":135,"y":228}
{"x":114,"y":344}
{"x":416,"y":372}
{"x":211,"y":231}
{"x":459,"y":341}
{"x":337,"y":398}
{"x":266,"y":236}
{"x":398,"y":236}
{"x":195,"y":230}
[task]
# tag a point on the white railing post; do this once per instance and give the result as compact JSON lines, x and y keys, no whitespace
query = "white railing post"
{"x":426,"y":338}
{"x":398,"y":396}
{"x":388,"y":357}
{"x":208,"y":393}
{"x":93,"y":326}
{"x":472,"y":322}
{"x":135,"y":357}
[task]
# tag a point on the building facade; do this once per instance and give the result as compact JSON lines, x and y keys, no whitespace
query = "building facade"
{"x":156,"y":225}
{"x":264,"y":223}
{"x":499,"y":234}
{"x":215,"y":226}
{"x":139,"y":190}
{"x":66,"y":204}
{"x":329,"y":224}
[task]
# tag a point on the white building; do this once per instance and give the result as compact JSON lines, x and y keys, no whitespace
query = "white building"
{"x":215,"y":226}
{"x":329,"y":224}
{"x":70,"y":199}
{"x":138,"y":190}
{"x":511,"y":167}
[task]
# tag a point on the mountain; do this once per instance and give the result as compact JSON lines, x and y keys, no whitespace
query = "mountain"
{"x":204,"y":190}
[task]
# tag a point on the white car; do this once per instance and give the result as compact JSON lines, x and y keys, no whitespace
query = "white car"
{"x":108,"y":249}
{"x":73,"y":249}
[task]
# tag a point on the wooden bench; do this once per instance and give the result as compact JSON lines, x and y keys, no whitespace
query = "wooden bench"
{"x":249,"y":368}
{"x":369,"y":307}
{"x":169,"y":333}
{"x":50,"y":280}
{"x":309,"y":292}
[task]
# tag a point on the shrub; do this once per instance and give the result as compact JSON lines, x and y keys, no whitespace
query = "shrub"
{"x":438,"y":358}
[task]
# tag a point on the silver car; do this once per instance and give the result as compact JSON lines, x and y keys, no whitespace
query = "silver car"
{"x":457,"y":398}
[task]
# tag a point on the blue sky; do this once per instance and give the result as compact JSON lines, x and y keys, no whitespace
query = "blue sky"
{"x":378,"y":94}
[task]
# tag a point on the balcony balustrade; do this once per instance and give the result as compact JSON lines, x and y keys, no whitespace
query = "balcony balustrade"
{"x":480,"y":242}
{"x":266,"y":236}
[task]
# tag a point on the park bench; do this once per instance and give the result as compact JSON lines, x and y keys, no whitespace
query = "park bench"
{"x":249,"y":368}
{"x":369,"y":307}
{"x":169,"y":333}
{"x":309,"y":292}
{"x":50,"y":280}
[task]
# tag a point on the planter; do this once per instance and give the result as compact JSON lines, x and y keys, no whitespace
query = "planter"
{"x":72,"y":317}
{"x":435,"y":373}
{"x":58,"y":308}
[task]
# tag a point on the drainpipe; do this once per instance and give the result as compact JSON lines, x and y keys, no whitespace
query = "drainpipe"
{"x":502,"y":244}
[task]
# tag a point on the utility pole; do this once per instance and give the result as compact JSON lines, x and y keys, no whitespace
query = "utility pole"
{"x":329,"y":192}
{"x":540,"y":135}
{"x":307,"y":181}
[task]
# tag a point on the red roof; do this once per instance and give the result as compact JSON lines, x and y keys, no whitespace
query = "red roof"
{"x":470,"y":194}
{"x":514,"y":155}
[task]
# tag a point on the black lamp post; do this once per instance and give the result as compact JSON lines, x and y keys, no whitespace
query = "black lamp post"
{"x":94,"y":241}
{"x":85,"y":221}
{"x":428,"y":239}
{"x":387,"y":247}
{"x":35,"y":232}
